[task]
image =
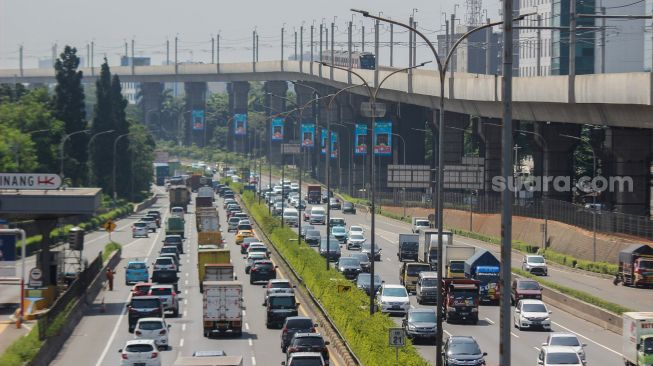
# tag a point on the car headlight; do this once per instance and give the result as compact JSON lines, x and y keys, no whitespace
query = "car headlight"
{"x":411,"y":327}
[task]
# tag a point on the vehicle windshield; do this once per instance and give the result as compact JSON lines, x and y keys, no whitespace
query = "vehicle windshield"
{"x":282,"y":302}
{"x":299,"y":323}
{"x":429,"y":282}
{"x":457,"y":267}
{"x":356,"y":228}
{"x":648,"y":346}
{"x":528,"y":285}
{"x":647,"y":265}
{"x":486,"y":277}
{"x":421,"y":223}
{"x":313,"y":233}
{"x":414,"y":270}
{"x":562,"y":358}
{"x":362,"y":257}
{"x":349,"y":262}
{"x":535,"y":260}
{"x":172,"y":239}
{"x":534,"y":308}
{"x":364,"y":278}
{"x":564,"y":341}
{"x":306,"y":361}
{"x":317,"y":212}
{"x":410,"y":246}
{"x":308,"y":342}
{"x":263,"y":265}
{"x":140,"y":224}
{"x":395,"y":292}
{"x":138,"y":348}
{"x":422,"y":317}
{"x":144,"y":303}
{"x":253,"y":249}
{"x":338,"y":230}
{"x":164,"y":261}
{"x":136,"y":266}
{"x":290,"y":213}
{"x":234,"y":220}
{"x":464,"y":295}
{"x":338,"y":222}
{"x":169,"y":249}
{"x":150,"y":325}
{"x":368,"y":247}
{"x":244,"y":227}
{"x":280,"y":285}
{"x":356,"y":237}
{"x":464,"y":348}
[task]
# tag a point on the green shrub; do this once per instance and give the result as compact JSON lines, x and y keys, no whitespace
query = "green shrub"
{"x":109,"y":249}
{"x":22,"y":350}
{"x":348,"y":310}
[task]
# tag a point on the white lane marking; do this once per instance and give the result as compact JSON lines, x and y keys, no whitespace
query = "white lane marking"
{"x":247,"y":326}
{"x":537,"y":349}
{"x":187,"y":260}
{"x":186,"y":274}
{"x":181,"y":342}
{"x":515,"y":335}
{"x":253,"y":361}
{"x":388,"y":259}
{"x":124,"y":309}
{"x":186,"y":282}
{"x":589,"y":339}
{"x":489,"y":321}
{"x":183,"y":327}
{"x":186,"y":292}
{"x":185,"y":301}
{"x":185,"y":313}
{"x":444,"y":330}
{"x":249,"y":341}
{"x":244,"y":313}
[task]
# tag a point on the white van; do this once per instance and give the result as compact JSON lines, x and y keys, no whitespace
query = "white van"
{"x":291,"y":216}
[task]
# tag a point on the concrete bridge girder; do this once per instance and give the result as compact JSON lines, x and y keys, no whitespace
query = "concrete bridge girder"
{"x":151,"y":102}
{"x":195,"y":101}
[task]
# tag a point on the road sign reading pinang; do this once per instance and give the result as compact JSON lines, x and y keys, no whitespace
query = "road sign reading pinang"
{"x":29,"y":181}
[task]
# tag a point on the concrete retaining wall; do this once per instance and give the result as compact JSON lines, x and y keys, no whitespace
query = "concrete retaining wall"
{"x":53,"y":345}
{"x":145,"y":204}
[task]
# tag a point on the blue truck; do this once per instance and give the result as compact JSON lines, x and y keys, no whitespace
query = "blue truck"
{"x":484,"y":267}
{"x":161,"y":171}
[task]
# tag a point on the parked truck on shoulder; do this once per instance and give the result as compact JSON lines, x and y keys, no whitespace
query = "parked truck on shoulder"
{"x":223,"y":307}
{"x":484,"y":267}
{"x":635,"y":266}
{"x":638,"y":338}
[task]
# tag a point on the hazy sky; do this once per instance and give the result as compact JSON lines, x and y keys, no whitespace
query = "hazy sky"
{"x":38,"y":24}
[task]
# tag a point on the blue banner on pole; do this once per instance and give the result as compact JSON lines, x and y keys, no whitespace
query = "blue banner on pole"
{"x":323,"y":138}
{"x":240,"y":124}
{"x":277,"y":129}
{"x":383,"y":138}
{"x":308,"y":134}
{"x":334,"y":145}
{"x":360,"y":139}
{"x":197,"y":119}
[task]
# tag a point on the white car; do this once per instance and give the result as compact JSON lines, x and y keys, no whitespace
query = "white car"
{"x":318,"y":215}
{"x":177,"y":212}
{"x":155,"y":329}
{"x":530,"y":314}
{"x":355,"y":241}
{"x":535,"y":264}
{"x":294,"y":187}
{"x":566,"y":340}
{"x":164,"y":263}
{"x":354,"y":229}
{"x":141,"y":352}
{"x":151,"y":223}
{"x":558,"y":355}
{"x":252,"y":257}
{"x":393,"y":299}
{"x":140,"y":229}
{"x":291,"y":216}
{"x":304,"y":358}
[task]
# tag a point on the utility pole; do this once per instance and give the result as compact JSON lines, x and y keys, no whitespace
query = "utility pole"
{"x":132,"y":63}
{"x":88,"y":56}
{"x":391,"y":44}
{"x":410,"y":58}
{"x":254,"y":51}
{"x":167,"y":51}
{"x":176,"y":59}
{"x":212,"y":50}
{"x":414,"y":45}
{"x":256,"y":46}
{"x":295,"y":54}
{"x":376,"y":64}
{"x":603,"y":45}
{"x":506,"y":209}
{"x":282,"y":32}
{"x":311,"y":65}
{"x":539,"y":45}
{"x":217,"y":52}
{"x":488,"y":48}
{"x":362,"y":38}
{"x":92,"y":57}
{"x":20,"y":60}
{"x":333,"y":55}
{"x":350,"y":63}
{"x":321,"y":32}
{"x":452,"y":39}
{"x":301,"y":50}
{"x":572,"y":52}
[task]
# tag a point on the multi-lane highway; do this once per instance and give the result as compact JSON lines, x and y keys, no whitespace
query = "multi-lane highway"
{"x":603,"y":347}
{"x":103,"y":331}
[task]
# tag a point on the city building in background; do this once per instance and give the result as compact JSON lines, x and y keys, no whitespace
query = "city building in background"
{"x":585,"y":39}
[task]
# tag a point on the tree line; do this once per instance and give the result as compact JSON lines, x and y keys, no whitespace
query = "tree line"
{"x":35,"y":122}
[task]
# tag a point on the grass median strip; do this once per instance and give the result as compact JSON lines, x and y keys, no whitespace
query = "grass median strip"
{"x":349,"y":310}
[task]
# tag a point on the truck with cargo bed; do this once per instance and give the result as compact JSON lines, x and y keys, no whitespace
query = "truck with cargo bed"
{"x":175,"y":226}
{"x":179,"y":196}
{"x":430,"y":246}
{"x":408,"y":247}
{"x":210,"y":256}
{"x":637,"y":338}
{"x":484,"y":267}
{"x":420,"y":224}
{"x":314,"y":194}
{"x":222,"y":307}
{"x":635,"y":266}
{"x":161,"y":172}
{"x":453,"y":260}
{"x":460,"y":299}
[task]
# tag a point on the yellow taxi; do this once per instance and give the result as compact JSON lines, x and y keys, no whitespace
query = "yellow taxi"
{"x":242,"y":234}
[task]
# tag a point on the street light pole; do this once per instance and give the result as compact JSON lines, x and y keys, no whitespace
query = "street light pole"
{"x":88,"y":149}
{"x":113,"y":175}
{"x":61,"y":148}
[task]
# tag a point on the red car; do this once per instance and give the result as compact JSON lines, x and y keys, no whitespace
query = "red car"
{"x":141,"y":289}
{"x":307,"y":215}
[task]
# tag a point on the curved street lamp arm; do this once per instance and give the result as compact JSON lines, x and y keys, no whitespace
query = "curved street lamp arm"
{"x":365,"y":83}
{"x":463,"y":37}
{"x":376,"y":91}
{"x":333,"y":96}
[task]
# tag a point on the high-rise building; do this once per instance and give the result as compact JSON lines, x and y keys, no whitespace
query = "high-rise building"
{"x":131,"y":90}
{"x":585,"y":39}
{"x":531,"y":46}
{"x":471,"y":53}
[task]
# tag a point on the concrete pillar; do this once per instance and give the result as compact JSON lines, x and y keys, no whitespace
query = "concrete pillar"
{"x":454,"y":145}
{"x":490,"y":136}
{"x":304,"y":96}
{"x":45,"y":227}
{"x":558,"y":160}
{"x":151,"y":104}
{"x":195,"y":132}
{"x":346,"y":134}
{"x":630,"y":152}
{"x":238,"y":103}
{"x":276,"y":105}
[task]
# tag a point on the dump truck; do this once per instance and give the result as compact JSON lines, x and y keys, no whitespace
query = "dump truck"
{"x":219,"y":272}
{"x":408,"y":247}
{"x":635,"y":266}
{"x":179,"y":196}
{"x":194,"y":182}
{"x":211,"y":256}
{"x":223,"y":307}
{"x":206,"y":191}
{"x":175,"y":226}
{"x":484,"y":267}
{"x":314,"y":194}
{"x":637,"y":338}
{"x":430,"y":246}
{"x":461,"y":299}
{"x":453,"y":260}
{"x":161,"y":172}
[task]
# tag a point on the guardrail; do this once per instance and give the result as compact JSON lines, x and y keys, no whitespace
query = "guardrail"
{"x":313,"y":298}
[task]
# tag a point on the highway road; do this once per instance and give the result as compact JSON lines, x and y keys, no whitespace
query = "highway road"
{"x":603,"y":347}
{"x":100,"y":335}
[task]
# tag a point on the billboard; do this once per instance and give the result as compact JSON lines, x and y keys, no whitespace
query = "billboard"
{"x":197,"y":119}
{"x":7,"y":255}
{"x":277,"y":129}
{"x":240,"y":124}
{"x":360,"y":139}
{"x":308,"y":134}
{"x":383,"y":138}
{"x":323,"y":137}
{"x":334,"y":145}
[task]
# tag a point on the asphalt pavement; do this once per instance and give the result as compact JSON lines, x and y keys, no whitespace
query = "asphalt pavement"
{"x":103,"y":330}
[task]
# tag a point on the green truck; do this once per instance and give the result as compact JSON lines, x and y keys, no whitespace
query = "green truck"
{"x":175,"y":226}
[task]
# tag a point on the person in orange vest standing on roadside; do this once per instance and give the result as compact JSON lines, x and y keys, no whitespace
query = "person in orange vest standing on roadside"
{"x":110,"y":278}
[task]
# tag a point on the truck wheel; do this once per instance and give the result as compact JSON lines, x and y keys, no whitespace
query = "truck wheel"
{"x":175,"y":313}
